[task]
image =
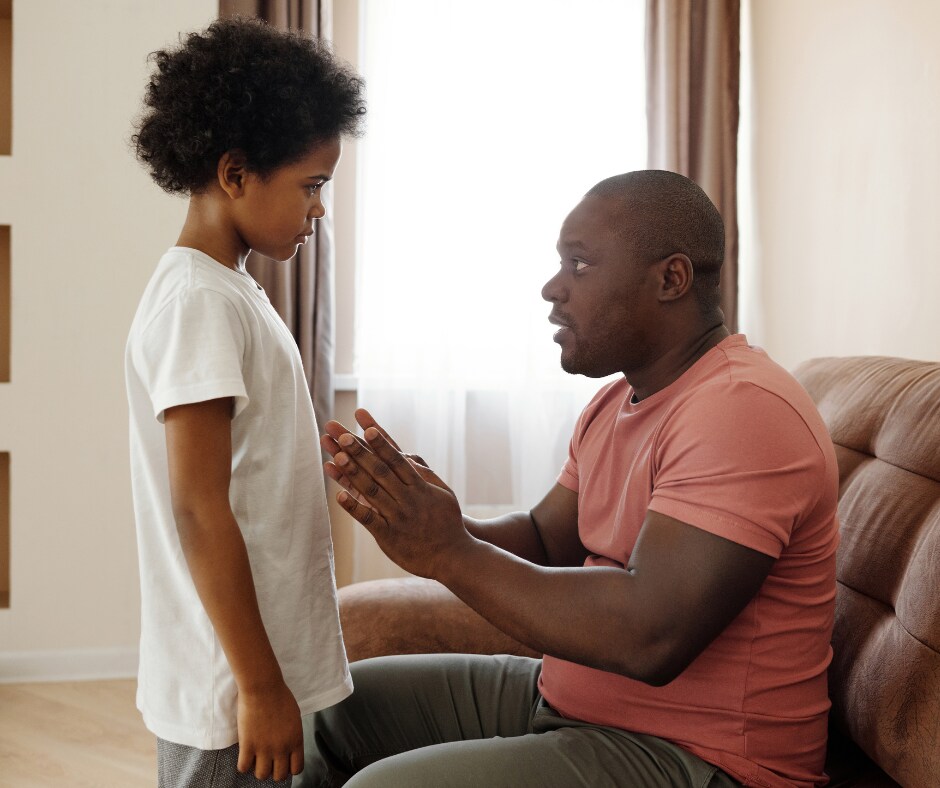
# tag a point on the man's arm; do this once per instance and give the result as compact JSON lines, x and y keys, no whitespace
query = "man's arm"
{"x":547,"y":535}
{"x":199,"y":454}
{"x":648,"y":621}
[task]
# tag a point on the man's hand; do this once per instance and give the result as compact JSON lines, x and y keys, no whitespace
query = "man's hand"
{"x":335,"y":429}
{"x":412,"y":514}
{"x":270,"y":735}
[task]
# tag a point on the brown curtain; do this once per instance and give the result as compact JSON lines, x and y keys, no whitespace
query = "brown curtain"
{"x":692,"y":73}
{"x":302,"y":288}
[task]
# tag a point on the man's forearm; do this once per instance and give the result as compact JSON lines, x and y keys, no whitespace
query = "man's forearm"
{"x":515,"y":533}
{"x":514,"y":595}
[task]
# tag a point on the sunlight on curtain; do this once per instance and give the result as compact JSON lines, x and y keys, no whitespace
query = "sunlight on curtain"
{"x":487,"y":122}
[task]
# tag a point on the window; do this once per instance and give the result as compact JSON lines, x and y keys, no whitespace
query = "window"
{"x":487,"y":122}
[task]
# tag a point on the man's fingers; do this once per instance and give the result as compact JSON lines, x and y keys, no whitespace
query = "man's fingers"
{"x":390,"y":455}
{"x":334,"y":430}
{"x":333,"y":471}
{"x":370,"y":518}
{"x":365,"y":420}
{"x":388,"y":470}
{"x":367,"y":475}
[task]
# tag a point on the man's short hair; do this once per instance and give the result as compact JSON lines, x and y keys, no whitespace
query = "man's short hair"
{"x":665,"y":213}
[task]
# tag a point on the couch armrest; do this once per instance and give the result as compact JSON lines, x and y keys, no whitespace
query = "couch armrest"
{"x":415,"y":616}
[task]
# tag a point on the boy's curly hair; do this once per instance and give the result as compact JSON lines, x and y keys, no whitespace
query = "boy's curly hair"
{"x":242,"y":85}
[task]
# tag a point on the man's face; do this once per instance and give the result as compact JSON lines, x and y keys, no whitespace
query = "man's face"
{"x":603,"y":298}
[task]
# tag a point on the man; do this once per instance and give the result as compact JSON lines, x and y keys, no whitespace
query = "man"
{"x":679,"y":577}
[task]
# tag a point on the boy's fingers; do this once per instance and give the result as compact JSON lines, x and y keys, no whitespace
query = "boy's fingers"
{"x":297,"y":760}
{"x":280,"y":769}
{"x":246,"y":758}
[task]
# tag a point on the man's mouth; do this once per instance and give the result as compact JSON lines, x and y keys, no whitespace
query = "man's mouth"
{"x":564,"y":327}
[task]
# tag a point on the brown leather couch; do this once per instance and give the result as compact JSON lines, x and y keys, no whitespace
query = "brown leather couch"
{"x":884,"y":681}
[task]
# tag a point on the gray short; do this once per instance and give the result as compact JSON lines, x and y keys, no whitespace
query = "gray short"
{"x":179,"y":766}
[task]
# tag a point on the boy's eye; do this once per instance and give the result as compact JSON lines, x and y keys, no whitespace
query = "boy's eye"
{"x":313,"y":188}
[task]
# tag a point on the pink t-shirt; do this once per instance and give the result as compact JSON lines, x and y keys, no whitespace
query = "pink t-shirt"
{"x":737,"y":448}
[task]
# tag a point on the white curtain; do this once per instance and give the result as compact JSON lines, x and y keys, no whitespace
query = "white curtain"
{"x":487,"y":122}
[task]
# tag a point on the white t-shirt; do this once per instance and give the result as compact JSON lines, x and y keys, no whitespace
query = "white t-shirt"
{"x":204,"y":331}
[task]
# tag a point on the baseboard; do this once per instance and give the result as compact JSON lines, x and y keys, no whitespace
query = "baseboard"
{"x":72,"y":665}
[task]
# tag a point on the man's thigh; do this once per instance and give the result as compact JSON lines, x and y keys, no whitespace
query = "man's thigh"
{"x":403,"y":703}
{"x":564,"y":757}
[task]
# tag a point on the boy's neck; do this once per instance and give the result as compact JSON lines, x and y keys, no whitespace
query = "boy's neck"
{"x":208,"y":229}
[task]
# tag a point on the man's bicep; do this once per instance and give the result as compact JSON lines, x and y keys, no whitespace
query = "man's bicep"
{"x":693,"y":582}
{"x":199,"y":453}
{"x":555,"y":518}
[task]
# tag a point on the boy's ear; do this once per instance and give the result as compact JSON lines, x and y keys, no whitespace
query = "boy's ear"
{"x":231,"y":172}
{"x":677,"y":277}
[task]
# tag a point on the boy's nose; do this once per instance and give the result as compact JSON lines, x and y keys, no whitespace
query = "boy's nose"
{"x":317,"y":211}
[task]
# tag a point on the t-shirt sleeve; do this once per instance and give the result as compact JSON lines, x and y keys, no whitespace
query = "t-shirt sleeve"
{"x":568,"y":476}
{"x":192,"y":351}
{"x":743,"y":466}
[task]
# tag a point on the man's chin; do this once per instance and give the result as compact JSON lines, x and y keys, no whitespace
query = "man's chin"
{"x":573,"y":365}
{"x":581,"y":366}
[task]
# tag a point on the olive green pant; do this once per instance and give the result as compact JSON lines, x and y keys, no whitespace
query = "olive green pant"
{"x":461,"y":720}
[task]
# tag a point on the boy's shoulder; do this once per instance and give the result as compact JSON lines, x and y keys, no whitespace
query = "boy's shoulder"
{"x":184,"y":274}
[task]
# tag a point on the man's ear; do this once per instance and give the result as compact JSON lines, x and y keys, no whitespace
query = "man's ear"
{"x":231,"y":173}
{"x":677,"y":275}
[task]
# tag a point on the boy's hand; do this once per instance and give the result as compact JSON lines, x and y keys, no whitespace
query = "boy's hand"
{"x":270,"y":735}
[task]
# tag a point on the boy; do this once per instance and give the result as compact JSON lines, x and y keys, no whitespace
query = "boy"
{"x":240,"y":633}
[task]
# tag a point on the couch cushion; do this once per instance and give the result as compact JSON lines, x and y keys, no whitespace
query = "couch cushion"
{"x":884,"y":418}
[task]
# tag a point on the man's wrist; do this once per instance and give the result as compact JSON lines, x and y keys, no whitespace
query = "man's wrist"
{"x":458,"y":559}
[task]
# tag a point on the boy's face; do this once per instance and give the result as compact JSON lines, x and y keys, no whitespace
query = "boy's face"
{"x":276,"y":213}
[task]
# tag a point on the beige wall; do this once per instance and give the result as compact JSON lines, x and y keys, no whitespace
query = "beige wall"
{"x":87,"y":227}
{"x":846,"y":165}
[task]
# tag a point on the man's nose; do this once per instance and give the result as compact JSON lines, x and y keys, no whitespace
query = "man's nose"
{"x":553,"y":290}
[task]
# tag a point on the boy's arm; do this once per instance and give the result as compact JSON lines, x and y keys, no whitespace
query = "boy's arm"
{"x":199,"y":455}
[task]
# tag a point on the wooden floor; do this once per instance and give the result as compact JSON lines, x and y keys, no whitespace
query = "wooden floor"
{"x":74,"y":735}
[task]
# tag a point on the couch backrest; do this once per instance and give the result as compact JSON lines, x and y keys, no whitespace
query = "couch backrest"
{"x":884,"y":418}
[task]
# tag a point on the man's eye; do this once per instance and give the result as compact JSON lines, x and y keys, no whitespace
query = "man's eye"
{"x":580,"y":265}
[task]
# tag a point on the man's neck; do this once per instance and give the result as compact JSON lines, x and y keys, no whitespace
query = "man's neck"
{"x":674,"y":362}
